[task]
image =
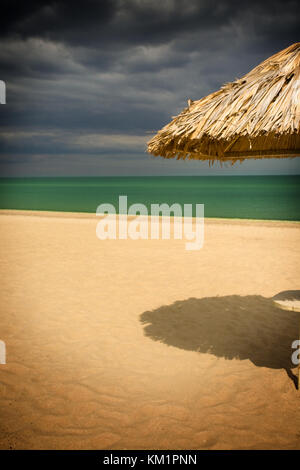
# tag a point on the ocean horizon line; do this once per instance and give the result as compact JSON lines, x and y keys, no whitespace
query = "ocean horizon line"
{"x":261,"y":197}
{"x":149,"y":176}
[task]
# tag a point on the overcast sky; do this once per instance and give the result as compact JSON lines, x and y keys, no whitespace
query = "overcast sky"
{"x":89,"y":82}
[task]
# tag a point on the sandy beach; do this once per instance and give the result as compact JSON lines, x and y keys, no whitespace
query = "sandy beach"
{"x":123,"y":344}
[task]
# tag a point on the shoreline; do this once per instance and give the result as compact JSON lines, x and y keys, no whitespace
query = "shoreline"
{"x":91,"y":215}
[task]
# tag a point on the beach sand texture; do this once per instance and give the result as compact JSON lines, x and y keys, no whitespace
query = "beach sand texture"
{"x":124,"y":344}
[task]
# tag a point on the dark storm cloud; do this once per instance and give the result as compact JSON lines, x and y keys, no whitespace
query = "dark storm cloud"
{"x":118,"y":69}
{"x":55,"y":19}
{"x":129,"y":21}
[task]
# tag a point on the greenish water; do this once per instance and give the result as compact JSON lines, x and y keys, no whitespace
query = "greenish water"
{"x":249,"y":197}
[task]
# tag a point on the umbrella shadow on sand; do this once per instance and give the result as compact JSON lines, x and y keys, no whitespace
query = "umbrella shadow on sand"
{"x":233,"y":327}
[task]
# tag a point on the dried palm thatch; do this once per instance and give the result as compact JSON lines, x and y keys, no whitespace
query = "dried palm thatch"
{"x":257,"y":116}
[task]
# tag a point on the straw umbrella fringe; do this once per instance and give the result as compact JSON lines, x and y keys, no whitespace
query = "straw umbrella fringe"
{"x":257,"y":116}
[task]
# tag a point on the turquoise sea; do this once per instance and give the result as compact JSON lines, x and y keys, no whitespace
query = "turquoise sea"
{"x":246,"y":197}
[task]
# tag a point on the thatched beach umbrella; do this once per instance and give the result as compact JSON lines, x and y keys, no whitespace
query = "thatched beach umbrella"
{"x":257,"y":116}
